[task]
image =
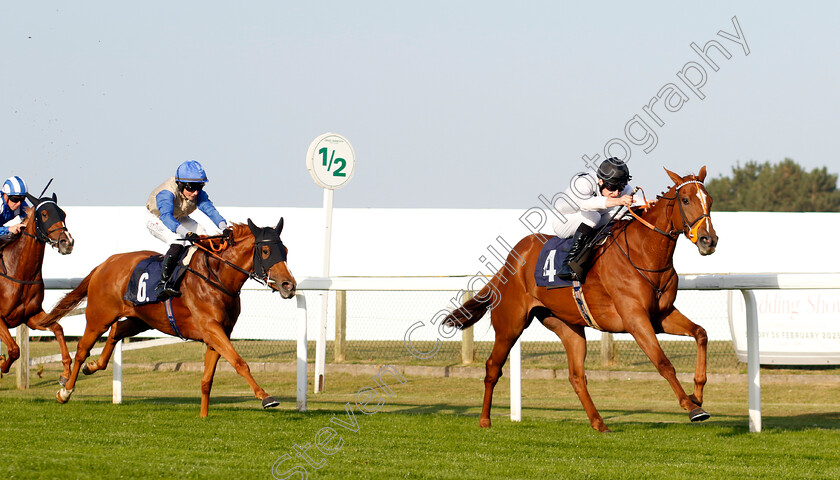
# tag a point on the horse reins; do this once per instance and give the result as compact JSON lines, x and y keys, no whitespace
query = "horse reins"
{"x":41,"y":237}
{"x":223,"y":246}
{"x":689,"y":229}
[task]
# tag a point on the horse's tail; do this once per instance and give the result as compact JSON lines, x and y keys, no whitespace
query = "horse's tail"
{"x":69,"y":302}
{"x":474,"y":309}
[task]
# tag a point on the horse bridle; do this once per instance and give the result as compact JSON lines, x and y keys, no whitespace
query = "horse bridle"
{"x":260,"y":276}
{"x":689,"y":228}
{"x":43,"y":231}
{"x":42,"y":234}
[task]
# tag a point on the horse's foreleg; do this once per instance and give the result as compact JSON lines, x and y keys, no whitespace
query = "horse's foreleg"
{"x":675,"y":323}
{"x":58,"y":332}
{"x":211,"y":359}
{"x":11,"y":347}
{"x":216,"y":338}
{"x":574,"y":341}
{"x":646,"y":339}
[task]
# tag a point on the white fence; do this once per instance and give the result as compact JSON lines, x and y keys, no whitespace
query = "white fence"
{"x":309,"y":287}
{"x":745,"y":283}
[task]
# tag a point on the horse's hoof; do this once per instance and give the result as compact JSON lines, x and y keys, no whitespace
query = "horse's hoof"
{"x":698,"y":415}
{"x":484,"y":423}
{"x":62,"y":380}
{"x":63,"y":395}
{"x":86,"y":370}
{"x":269,"y":402}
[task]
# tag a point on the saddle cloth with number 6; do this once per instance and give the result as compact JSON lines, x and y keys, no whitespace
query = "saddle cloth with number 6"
{"x":144,"y":278}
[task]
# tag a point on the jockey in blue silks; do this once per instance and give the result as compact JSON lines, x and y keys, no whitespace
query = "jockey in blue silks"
{"x":14,"y":205}
{"x":169,"y":206}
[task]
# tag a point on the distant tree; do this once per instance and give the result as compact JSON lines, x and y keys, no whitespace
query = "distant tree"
{"x":782,"y":187}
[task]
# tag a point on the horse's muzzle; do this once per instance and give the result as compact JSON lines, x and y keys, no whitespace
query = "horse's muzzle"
{"x":65,"y":244}
{"x":706,"y":244}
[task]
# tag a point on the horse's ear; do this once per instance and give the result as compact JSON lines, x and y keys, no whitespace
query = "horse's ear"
{"x":32,"y":199}
{"x":279,"y":226}
{"x":702,"y":175}
{"x":253,"y":227}
{"x":674,"y":177}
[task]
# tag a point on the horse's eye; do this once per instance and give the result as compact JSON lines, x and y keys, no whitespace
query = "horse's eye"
{"x":266,"y":251}
{"x":685,"y":201}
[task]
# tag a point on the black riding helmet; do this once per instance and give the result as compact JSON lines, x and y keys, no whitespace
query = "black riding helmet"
{"x":614,"y":173}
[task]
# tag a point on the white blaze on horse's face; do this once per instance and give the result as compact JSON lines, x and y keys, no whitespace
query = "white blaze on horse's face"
{"x":707,"y":241}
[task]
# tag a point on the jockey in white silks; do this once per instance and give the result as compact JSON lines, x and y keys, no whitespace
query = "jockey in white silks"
{"x":587,"y":205}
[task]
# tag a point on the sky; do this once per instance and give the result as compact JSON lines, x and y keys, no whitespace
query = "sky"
{"x":447,"y":104}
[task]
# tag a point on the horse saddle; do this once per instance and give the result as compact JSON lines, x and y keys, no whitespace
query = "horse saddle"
{"x":144,"y":277}
{"x":552,"y":256}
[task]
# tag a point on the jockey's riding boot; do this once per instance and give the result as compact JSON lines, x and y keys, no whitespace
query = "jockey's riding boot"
{"x":570,"y":269}
{"x":166,"y":288}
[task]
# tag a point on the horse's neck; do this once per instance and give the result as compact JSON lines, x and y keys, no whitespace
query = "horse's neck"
{"x":231,"y":278}
{"x":657,"y":248}
{"x":24,"y":257}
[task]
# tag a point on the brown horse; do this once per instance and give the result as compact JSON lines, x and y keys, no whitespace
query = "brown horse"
{"x":206,"y":311}
{"x":21,"y":283}
{"x":630,"y":288}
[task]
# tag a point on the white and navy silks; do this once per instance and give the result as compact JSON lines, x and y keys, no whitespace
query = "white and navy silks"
{"x":7,"y":215}
{"x":583,"y":203}
{"x":168,"y":213}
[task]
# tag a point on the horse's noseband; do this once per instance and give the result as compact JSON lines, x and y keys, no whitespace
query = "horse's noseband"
{"x":689,"y":228}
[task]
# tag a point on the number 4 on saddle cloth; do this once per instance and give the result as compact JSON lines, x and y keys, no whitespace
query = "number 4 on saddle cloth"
{"x":552,"y":256}
{"x":141,"y":285}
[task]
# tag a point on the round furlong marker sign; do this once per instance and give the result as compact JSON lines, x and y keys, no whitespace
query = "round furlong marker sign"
{"x":331,"y":161}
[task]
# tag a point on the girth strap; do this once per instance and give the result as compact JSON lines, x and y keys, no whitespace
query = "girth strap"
{"x":171,"y":317}
{"x":583,"y":308}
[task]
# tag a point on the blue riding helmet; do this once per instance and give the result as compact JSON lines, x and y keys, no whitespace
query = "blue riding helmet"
{"x":191,"y":172}
{"x":14,"y":186}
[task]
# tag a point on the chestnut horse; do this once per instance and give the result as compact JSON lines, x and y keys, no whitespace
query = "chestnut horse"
{"x":21,"y":283}
{"x":630,"y":288}
{"x":206,"y":311}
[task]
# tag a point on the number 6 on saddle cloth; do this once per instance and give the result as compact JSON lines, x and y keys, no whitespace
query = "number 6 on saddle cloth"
{"x":146,"y":275}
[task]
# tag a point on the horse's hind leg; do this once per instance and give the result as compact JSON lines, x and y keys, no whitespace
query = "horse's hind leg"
{"x":675,"y":323}
{"x":58,"y":332}
{"x":211,"y":359}
{"x":11,"y":347}
{"x":92,"y":333}
{"x":506,"y":336}
{"x":574,"y":341}
{"x":119,"y":330}
{"x":216,"y":338}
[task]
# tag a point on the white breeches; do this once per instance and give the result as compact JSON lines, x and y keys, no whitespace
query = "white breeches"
{"x":162,"y":233}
